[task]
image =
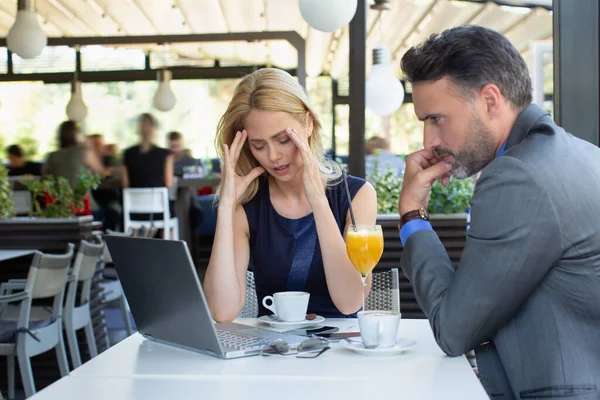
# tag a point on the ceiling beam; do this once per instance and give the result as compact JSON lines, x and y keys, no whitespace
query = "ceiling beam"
{"x":547,"y":4}
{"x":292,"y":37}
{"x":137,"y":75}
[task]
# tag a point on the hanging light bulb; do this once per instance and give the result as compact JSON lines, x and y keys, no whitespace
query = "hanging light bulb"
{"x":26,"y":37}
{"x":76,"y":108}
{"x":384,"y":92}
{"x":164,"y":98}
{"x":328,"y":15}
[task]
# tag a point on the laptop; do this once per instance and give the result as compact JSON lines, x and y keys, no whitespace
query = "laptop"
{"x":168,"y":304}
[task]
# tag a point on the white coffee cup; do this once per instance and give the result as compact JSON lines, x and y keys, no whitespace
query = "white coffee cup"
{"x":378,"y":328}
{"x":288,"y":306}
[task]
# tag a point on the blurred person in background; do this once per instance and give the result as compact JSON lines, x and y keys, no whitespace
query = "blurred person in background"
{"x":112,"y":153}
{"x":72,"y":156}
{"x":378,"y":149}
{"x":181,"y":159}
{"x":108,"y":200}
{"x":18,"y":165}
{"x":145,"y":164}
{"x":96,"y":144}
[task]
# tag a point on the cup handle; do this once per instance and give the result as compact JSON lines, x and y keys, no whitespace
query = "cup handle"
{"x":270,"y":307}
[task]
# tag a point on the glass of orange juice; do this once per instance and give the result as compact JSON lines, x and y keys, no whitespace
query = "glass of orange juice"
{"x":364,"y":245}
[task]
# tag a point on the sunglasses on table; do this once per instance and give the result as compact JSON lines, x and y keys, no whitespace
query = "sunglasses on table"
{"x":310,"y":348}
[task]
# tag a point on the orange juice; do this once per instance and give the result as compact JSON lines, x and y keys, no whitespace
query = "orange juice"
{"x":364,"y":249}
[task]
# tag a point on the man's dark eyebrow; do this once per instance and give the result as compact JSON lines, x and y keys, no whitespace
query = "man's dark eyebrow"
{"x":272,"y":137}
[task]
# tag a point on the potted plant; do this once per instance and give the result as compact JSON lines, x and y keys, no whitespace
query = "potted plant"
{"x":57,"y":220}
{"x":453,"y":199}
{"x":62,"y":200}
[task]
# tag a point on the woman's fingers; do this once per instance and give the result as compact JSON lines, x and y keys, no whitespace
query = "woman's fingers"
{"x":303,"y":147}
{"x":235,"y":144}
{"x":252,"y":175}
{"x":240,"y":146}
{"x":225,"y":153}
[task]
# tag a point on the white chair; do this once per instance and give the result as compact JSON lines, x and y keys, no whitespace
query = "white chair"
{"x":385,"y":291}
{"x":384,"y":295}
{"x":149,"y":201}
{"x":25,"y":338}
{"x":250,"y":309}
{"x":77,"y":317}
{"x":22,"y":202}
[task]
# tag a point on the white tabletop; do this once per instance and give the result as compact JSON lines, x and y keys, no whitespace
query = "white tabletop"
{"x":103,"y":388}
{"x":139,"y":369}
{"x":9,"y":254}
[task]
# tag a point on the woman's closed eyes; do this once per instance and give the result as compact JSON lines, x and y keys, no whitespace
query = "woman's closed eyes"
{"x":282,"y":142}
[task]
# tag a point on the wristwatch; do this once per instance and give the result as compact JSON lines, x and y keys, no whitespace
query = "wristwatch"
{"x":421,"y":213}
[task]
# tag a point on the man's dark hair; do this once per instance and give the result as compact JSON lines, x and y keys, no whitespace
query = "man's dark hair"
{"x":95,"y":135}
{"x":471,"y":57}
{"x":149,"y":119}
{"x":14,"y":150}
{"x":67,"y":134}
{"x":174,"y":136}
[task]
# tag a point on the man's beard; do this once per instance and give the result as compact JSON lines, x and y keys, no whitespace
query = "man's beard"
{"x":478,"y":151}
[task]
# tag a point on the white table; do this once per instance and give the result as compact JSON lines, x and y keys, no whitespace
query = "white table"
{"x":140,"y":369}
{"x":9,"y":254}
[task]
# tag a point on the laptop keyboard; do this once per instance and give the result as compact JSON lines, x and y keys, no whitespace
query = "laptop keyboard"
{"x":239,"y":341}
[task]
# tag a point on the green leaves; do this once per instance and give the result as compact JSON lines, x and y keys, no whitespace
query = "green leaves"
{"x":387,"y":186}
{"x":65,"y":200}
{"x":455,"y":198}
{"x":7,"y":207}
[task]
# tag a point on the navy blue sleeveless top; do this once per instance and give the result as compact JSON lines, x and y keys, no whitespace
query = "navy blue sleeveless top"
{"x":285,"y":254}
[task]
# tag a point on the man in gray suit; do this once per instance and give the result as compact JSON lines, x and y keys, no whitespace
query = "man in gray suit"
{"x":526,"y":294}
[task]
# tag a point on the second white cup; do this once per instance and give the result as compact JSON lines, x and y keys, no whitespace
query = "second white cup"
{"x":288,"y":306}
{"x":378,"y":329}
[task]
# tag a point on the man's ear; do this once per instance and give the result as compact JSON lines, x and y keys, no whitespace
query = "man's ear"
{"x":493,"y":97}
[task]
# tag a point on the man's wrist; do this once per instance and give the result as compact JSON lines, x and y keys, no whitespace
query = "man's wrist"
{"x":404,"y":208}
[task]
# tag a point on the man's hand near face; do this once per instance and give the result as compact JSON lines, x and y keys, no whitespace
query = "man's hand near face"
{"x":423,"y":168}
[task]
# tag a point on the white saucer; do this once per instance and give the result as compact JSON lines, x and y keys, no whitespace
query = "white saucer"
{"x":270,"y":319}
{"x":355,"y":344}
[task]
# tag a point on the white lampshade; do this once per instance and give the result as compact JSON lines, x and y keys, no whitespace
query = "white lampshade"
{"x":26,"y":37}
{"x":76,"y":108}
{"x":384,"y":92}
{"x":328,"y":15}
{"x":164,"y":98}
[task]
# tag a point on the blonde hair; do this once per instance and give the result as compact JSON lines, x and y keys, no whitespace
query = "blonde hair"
{"x":270,"y":89}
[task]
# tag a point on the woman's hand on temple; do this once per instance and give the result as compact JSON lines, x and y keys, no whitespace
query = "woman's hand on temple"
{"x":233,"y":185}
{"x":311,"y":175}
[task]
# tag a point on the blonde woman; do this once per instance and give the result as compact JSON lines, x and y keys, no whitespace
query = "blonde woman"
{"x":282,"y":206}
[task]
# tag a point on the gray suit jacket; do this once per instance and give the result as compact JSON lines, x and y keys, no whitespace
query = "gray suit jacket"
{"x":526,"y":294}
